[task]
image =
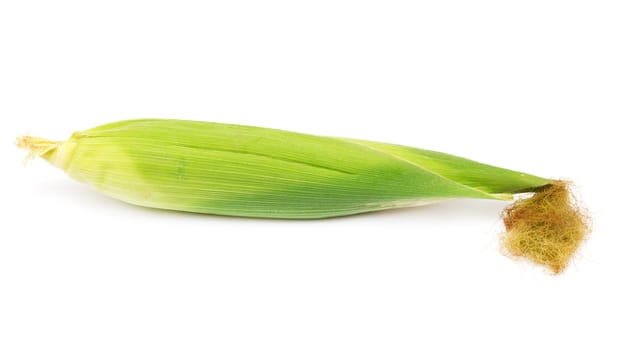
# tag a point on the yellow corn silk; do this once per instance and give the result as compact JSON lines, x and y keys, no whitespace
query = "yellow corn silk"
{"x":546,"y":228}
{"x":258,"y":172}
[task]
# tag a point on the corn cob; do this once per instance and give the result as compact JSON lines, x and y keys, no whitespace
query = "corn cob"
{"x":258,"y":172}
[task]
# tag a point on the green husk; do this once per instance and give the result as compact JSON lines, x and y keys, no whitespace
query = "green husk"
{"x":257,"y":172}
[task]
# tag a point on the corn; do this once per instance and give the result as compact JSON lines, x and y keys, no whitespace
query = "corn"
{"x":248,"y":171}
{"x":257,"y":172}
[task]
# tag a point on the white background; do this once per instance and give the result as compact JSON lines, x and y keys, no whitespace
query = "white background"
{"x":528,"y":85}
